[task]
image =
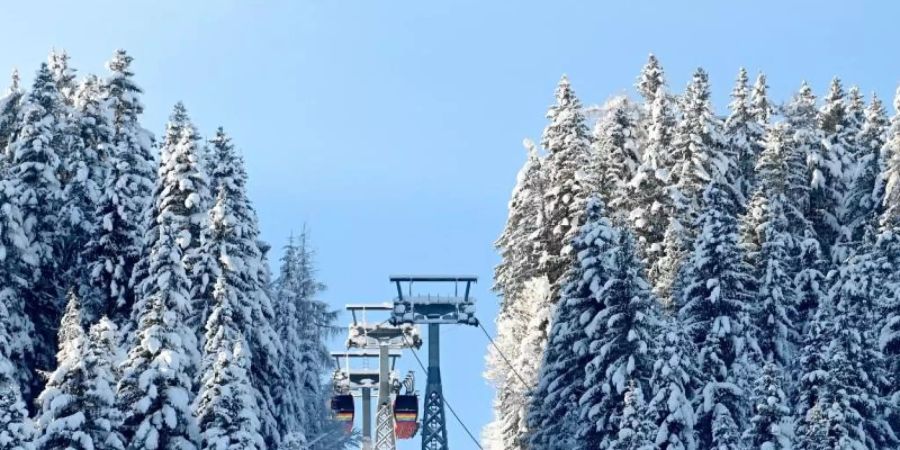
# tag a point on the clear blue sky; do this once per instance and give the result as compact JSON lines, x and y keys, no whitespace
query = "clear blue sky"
{"x":393,"y":128}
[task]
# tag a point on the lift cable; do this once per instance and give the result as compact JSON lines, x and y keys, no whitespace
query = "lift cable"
{"x":500,"y":352}
{"x":452,"y":411}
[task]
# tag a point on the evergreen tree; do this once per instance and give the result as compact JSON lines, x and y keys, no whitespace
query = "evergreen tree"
{"x":567,"y":143}
{"x":225,"y":408}
{"x":63,"y":75}
{"x":831,"y":167}
{"x":741,"y":132}
{"x":553,"y":417}
{"x":36,"y":162}
{"x":635,"y":432}
{"x":672,"y":385}
{"x":619,"y":341}
{"x":867,"y":190}
{"x":10,"y":107}
{"x":647,"y":198}
{"x":78,"y":404}
{"x":230,"y":243}
{"x":699,"y":150}
{"x":652,"y":78}
{"x":713,"y":298}
{"x":773,"y":248}
{"x":16,"y":429}
{"x":125,"y":197}
{"x":155,"y":390}
{"x":615,"y":155}
{"x":769,"y":426}
{"x":521,"y":247}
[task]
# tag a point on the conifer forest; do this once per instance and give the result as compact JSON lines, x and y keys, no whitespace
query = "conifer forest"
{"x":673,"y":275}
{"x":672,"y":278}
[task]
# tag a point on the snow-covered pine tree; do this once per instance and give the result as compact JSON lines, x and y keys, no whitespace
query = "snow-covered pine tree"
{"x":805,"y":137}
{"x":125,"y":196}
{"x":16,"y":428}
{"x":179,"y":201}
{"x":671,"y":387}
{"x":36,"y":161}
{"x":78,"y":408}
{"x":620,"y":335}
{"x":155,"y":391}
{"x":567,"y":142}
{"x":10,"y":105}
{"x":226,"y":410}
{"x":648,"y":202}
{"x":553,"y":415}
{"x":741,"y":132}
{"x":635,"y":432}
{"x":230,"y":240}
{"x":615,"y":156}
{"x":760,"y":107}
{"x":770,"y":424}
{"x":831,"y":167}
{"x":63,"y":75}
{"x":772,"y":248}
{"x":521,"y":247}
{"x":887,"y":252}
{"x":714,"y":300}
{"x":699,"y":148}
{"x":867,"y":190}
{"x":189,"y":166}
{"x":856,"y":368}
{"x":651,"y":79}
{"x":84,"y":172}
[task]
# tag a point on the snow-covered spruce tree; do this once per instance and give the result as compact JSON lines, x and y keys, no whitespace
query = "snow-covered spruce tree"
{"x":805,"y":136}
{"x":125,"y":197}
{"x":17,"y":259}
{"x":84,"y":172}
{"x":567,"y":142}
{"x":63,"y":75}
{"x":36,"y":161}
{"x":671,"y":387}
{"x":648,"y":202}
{"x":225,"y":407}
{"x":78,"y":408}
{"x":867,"y":190}
{"x":180,"y":200}
{"x":651,"y":79}
{"x":699,"y":148}
{"x":770,"y":424}
{"x":620,"y":334}
{"x":303,"y":324}
{"x":635,"y":431}
{"x":154,"y":393}
{"x":230,"y":241}
{"x":10,"y":105}
{"x":521,"y":247}
{"x":741,"y":132}
{"x":615,"y":155}
{"x":714,"y":297}
{"x":175,"y":162}
{"x":831,"y":167}
{"x":887,"y":251}
{"x":856,"y":368}
{"x":553,"y":414}
{"x":772,"y":249}
{"x":760,"y":107}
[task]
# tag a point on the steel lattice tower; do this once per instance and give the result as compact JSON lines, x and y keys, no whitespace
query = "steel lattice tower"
{"x":434,"y":311}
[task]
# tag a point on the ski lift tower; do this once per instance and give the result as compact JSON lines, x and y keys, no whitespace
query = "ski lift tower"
{"x":349,"y":382}
{"x":434,"y":310}
{"x":382,"y":337}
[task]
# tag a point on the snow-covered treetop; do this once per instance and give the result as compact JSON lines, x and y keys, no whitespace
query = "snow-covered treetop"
{"x":651,"y":79}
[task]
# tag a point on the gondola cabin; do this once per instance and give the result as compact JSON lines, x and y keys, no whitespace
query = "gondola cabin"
{"x":406,"y":416}
{"x":342,"y":408}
